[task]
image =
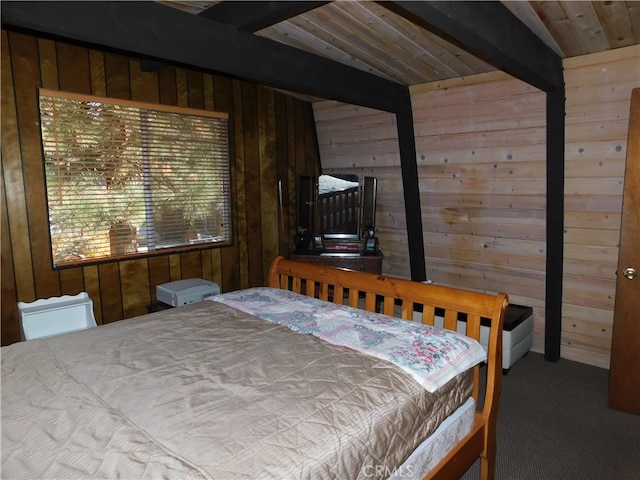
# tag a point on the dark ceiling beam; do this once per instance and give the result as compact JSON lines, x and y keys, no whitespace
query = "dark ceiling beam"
{"x":256,"y":15}
{"x":491,"y":32}
{"x":246,"y":16}
{"x":150,"y":29}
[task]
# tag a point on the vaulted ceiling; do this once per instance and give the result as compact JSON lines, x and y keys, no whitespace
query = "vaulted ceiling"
{"x":354,"y":51}
{"x":369,"y":36}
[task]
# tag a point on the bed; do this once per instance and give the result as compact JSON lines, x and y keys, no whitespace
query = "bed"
{"x":299,"y":379}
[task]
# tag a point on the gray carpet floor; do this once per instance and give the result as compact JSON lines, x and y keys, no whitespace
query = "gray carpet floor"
{"x":554,"y":423}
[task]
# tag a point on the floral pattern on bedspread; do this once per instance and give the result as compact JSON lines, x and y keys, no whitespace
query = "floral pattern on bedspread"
{"x":432,"y":356}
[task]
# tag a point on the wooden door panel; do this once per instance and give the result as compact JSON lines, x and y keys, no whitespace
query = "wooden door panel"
{"x":624,"y":379}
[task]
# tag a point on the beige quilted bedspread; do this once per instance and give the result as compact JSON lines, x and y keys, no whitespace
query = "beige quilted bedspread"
{"x":206,"y":391}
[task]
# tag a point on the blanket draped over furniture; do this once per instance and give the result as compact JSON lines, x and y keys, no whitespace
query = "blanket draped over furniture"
{"x":259,"y":383}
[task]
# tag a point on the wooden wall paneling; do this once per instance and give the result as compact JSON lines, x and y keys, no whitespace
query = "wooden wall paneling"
{"x":26,"y":76}
{"x":597,"y":266}
{"x":366,"y":129}
{"x":195,"y":91}
{"x":208,"y":97}
{"x":299,"y":139}
{"x":601,"y":130}
{"x":117,"y":76}
{"x":111,"y":292}
{"x":238,"y":276}
{"x":379,"y":153}
{"x":267,"y":140}
{"x":167,"y":89}
{"x":9,"y":304}
{"x":493,"y":169}
{"x":48,"y":64}
{"x":295,"y":171}
{"x":14,"y":196}
{"x":211,"y":257}
{"x":191,"y":264}
{"x":144,"y":85}
{"x":589,"y":290}
{"x":74,"y":75}
{"x":182,"y":89}
{"x":71,"y":281}
{"x":493,"y":85}
{"x":175,"y":266}
{"x":483,"y":278}
{"x":503,"y":169}
{"x":286,"y":223}
{"x":91,"y":277}
{"x":597,"y":165}
{"x":98,"y":76}
{"x":503,"y":252}
{"x":598,"y":88}
{"x":605,"y":112}
{"x":587,"y":74}
{"x":482,"y":141}
{"x":134,"y":278}
{"x":206,"y":271}
{"x":159,"y":273}
{"x":225,"y":262}
{"x":231,"y":268}
{"x":252,"y":184}
{"x":481,"y":168}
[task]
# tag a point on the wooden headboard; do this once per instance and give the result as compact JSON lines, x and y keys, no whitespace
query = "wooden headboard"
{"x":403,"y":298}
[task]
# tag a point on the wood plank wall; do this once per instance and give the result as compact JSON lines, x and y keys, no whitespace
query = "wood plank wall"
{"x":481,"y":152}
{"x":481,"y":146}
{"x":272,"y":141}
{"x":598,"y":102}
{"x":481,"y":177}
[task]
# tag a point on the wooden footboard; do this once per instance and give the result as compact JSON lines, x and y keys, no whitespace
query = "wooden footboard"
{"x":400,"y":297}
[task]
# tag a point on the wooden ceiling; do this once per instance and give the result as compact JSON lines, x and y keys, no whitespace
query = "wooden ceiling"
{"x":361,"y":52}
{"x":370,"y":37}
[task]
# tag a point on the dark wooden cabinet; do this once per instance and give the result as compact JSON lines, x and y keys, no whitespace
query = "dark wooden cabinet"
{"x":360,"y":263}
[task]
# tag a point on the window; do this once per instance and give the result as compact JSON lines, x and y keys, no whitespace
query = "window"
{"x":125,"y":178}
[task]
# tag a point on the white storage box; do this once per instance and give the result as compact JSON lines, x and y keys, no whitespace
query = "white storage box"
{"x":517,"y":333}
{"x":56,"y":315}
{"x":186,"y":292}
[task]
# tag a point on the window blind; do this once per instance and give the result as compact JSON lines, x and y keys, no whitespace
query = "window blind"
{"x":125,"y":178}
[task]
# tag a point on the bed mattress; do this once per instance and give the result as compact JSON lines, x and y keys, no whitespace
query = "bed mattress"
{"x":208,"y":391}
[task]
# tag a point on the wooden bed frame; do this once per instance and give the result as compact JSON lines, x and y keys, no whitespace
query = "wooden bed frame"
{"x":387,"y":295}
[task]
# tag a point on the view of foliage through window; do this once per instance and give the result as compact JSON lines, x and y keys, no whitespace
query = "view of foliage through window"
{"x":125,"y":178}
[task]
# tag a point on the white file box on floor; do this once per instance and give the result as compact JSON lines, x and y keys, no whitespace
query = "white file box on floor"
{"x":56,"y":315}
